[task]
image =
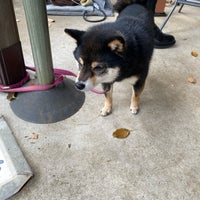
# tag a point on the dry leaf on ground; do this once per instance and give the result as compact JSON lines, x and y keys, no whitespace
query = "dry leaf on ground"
{"x":191,"y":79}
{"x":11,"y":96}
{"x":34,"y":136}
{"x":51,"y":20}
{"x":31,"y":84}
{"x":121,"y":133}
{"x":194,"y":53}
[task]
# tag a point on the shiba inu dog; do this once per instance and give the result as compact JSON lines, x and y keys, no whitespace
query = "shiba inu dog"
{"x":112,"y":52}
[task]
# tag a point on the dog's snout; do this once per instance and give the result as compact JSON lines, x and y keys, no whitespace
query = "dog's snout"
{"x":80,"y":85}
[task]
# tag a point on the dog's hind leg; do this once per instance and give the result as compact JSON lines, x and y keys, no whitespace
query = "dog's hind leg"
{"x":107,"y":109}
{"x":136,"y":92}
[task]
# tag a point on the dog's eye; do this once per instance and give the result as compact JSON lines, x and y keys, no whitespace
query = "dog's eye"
{"x":99,"y":69}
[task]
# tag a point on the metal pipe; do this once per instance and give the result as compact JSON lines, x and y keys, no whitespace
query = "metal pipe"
{"x":36,"y":17}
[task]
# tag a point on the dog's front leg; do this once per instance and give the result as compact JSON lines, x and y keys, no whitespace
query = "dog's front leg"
{"x":136,"y":92}
{"x":107,"y":109}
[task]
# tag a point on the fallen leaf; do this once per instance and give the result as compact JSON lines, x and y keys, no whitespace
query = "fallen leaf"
{"x":34,"y":136}
{"x":11,"y":96}
{"x":191,"y":79}
{"x":194,"y":53}
{"x":31,"y":84}
{"x":121,"y":133}
{"x":51,"y":20}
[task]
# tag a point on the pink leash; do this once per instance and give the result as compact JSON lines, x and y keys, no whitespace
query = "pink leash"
{"x":58,"y":79}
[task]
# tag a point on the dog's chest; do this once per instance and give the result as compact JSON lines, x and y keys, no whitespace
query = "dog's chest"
{"x":132,"y":80}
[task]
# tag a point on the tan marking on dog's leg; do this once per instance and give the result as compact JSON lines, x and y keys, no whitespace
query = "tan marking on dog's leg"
{"x":107,"y":109}
{"x":134,"y":107}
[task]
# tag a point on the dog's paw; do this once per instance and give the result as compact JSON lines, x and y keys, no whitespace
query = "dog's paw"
{"x":134,"y":110}
{"x":106,"y":110}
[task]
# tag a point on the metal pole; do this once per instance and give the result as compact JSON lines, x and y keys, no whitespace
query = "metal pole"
{"x":36,"y":16}
{"x":61,"y":101}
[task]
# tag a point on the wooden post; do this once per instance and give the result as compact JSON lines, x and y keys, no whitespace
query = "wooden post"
{"x":9,"y":33}
{"x":36,"y":16}
{"x":12,"y":67}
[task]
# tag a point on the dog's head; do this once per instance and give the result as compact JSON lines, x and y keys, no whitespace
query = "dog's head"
{"x":98,"y":54}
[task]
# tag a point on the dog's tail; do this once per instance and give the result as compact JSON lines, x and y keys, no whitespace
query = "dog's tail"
{"x":121,"y":4}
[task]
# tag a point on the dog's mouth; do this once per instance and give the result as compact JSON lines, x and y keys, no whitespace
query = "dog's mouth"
{"x":84,"y":87}
{"x":91,"y":82}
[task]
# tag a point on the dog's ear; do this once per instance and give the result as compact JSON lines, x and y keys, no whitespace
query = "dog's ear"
{"x":117,"y":44}
{"x":76,"y":34}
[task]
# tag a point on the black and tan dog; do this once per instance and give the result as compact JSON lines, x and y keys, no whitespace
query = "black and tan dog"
{"x":111,"y":52}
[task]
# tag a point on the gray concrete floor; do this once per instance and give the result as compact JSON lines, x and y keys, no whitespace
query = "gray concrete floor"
{"x":78,"y":158}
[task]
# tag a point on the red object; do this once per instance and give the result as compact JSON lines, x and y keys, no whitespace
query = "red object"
{"x":59,"y":79}
{"x":160,"y":6}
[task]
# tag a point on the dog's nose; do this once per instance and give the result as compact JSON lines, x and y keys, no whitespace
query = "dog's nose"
{"x":80,"y":85}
